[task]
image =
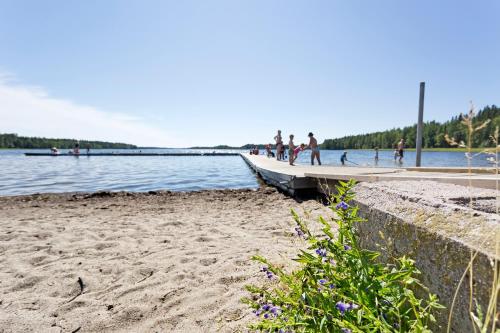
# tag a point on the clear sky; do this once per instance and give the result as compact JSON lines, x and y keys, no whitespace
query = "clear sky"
{"x":184,"y":73}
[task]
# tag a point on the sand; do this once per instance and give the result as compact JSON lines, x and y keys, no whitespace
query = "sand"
{"x":151,"y":262}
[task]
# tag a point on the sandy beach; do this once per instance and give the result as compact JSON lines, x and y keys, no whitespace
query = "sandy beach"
{"x":149,"y":262}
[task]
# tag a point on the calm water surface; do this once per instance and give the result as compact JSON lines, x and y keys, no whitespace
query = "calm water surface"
{"x":26,"y":174}
{"x":21,"y":174}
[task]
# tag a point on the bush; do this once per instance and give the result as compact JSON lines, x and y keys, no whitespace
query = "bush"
{"x":340,"y":287}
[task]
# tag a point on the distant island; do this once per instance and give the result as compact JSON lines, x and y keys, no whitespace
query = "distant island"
{"x":433,"y":134}
{"x":24,"y":142}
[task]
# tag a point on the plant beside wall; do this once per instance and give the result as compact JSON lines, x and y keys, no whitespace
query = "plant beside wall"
{"x":340,"y":287}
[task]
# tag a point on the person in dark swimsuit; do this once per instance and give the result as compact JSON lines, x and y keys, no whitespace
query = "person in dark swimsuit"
{"x":401,"y":147}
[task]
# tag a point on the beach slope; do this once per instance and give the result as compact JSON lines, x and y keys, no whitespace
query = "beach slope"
{"x":149,"y":262}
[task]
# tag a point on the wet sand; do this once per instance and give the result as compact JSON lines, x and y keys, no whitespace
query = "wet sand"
{"x":151,"y":262}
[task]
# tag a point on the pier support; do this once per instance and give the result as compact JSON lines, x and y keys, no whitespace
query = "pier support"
{"x":420,"y":125}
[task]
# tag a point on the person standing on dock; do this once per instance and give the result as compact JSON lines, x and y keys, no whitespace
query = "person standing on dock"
{"x":279,"y":145}
{"x":313,"y":145}
{"x":291,"y":148}
{"x":401,"y":147}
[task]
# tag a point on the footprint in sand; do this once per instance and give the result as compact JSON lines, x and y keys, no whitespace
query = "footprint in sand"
{"x":37,"y":261}
{"x":27,"y":283}
{"x":208,"y":261}
{"x":204,"y":239}
{"x":232,"y":279}
{"x":242,"y":263}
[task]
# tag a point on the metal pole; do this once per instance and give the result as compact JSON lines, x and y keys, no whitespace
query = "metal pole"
{"x":420,"y":124}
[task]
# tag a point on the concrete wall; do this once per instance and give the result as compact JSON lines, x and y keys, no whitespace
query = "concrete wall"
{"x":442,"y":261}
{"x":421,"y":220}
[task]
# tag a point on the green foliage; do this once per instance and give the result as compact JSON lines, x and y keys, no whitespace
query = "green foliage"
{"x":433,"y":135}
{"x":339,"y":286}
{"x":15,"y":141}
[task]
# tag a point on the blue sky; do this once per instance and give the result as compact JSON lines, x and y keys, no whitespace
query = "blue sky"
{"x":184,"y":73}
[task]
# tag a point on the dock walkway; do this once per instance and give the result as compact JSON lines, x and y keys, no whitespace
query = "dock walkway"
{"x":306,"y":177}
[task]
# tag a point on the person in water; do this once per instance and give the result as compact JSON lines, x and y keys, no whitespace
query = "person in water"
{"x":343,"y":158}
{"x":291,"y":148}
{"x":76,"y":150}
{"x":313,"y":145}
{"x":279,"y":145}
{"x":396,"y":154}
{"x":376,"y":154}
{"x":401,"y":147}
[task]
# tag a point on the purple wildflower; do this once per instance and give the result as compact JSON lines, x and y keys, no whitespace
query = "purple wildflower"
{"x":347,"y":247}
{"x":342,"y":307}
{"x":266,"y":307}
{"x":299,"y":231}
{"x":321,"y":252}
{"x":275,"y":310}
{"x":331,"y":286}
{"x":266,"y":315}
{"x":342,"y":205}
{"x":268,"y":272}
{"x":345,"y":330}
{"x":322,"y":281}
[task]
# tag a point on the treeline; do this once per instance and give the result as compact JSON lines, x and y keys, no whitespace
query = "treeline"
{"x":433,"y":135}
{"x":15,"y":141}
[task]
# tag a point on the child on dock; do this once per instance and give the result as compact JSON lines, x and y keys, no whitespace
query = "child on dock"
{"x":269,"y":151}
{"x":296,"y":152}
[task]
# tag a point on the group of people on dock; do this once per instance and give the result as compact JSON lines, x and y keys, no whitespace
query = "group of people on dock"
{"x":293,"y":150}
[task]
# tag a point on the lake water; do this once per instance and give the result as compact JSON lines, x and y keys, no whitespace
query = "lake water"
{"x":21,"y":174}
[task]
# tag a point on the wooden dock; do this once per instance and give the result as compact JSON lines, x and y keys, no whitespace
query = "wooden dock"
{"x":306,"y":177}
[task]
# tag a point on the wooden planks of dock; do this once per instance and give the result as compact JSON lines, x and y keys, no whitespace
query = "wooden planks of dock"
{"x":306,"y":177}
